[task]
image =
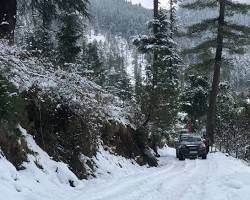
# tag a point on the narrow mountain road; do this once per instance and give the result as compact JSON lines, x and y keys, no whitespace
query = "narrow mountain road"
{"x":217,"y":178}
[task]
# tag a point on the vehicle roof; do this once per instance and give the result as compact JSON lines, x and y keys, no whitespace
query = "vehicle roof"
{"x":183,"y":131}
{"x":190,"y":135}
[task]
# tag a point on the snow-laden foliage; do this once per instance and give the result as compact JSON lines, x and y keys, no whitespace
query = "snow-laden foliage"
{"x":194,"y":99}
{"x":232,"y":123}
{"x":25,"y":72}
{"x":162,"y":72}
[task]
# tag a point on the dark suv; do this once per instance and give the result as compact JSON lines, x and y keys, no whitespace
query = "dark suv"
{"x":190,"y":146}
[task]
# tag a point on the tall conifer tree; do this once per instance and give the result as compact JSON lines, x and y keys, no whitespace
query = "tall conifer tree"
{"x":225,"y":36}
{"x":162,"y":73}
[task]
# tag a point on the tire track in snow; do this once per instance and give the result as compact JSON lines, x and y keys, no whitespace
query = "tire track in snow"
{"x":152,"y":189}
{"x":174,"y":189}
{"x":130,"y":179}
{"x":135,"y":189}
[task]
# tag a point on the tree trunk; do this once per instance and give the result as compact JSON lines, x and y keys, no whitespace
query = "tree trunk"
{"x":171,"y":17}
{"x":216,"y":77}
{"x":156,"y":11}
{"x":8,"y":11}
{"x":155,"y":67}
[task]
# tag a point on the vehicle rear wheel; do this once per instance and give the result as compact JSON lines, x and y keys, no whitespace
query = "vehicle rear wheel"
{"x":204,"y":157}
{"x":177,"y":156}
{"x":181,"y":157}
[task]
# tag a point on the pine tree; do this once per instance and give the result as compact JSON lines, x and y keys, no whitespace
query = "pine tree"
{"x":229,"y":37}
{"x":40,"y":42}
{"x":39,"y":14}
{"x":68,"y":49}
{"x":53,"y":8}
{"x":235,"y":36}
{"x":69,"y":6}
{"x":194,"y":99}
{"x":225,"y":128}
{"x":117,"y":81}
{"x":44,"y":13}
{"x":173,"y":17}
{"x":94,"y":62}
{"x":162,"y":81}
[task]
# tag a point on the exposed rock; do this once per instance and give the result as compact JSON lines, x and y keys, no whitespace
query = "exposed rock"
{"x":14,"y":148}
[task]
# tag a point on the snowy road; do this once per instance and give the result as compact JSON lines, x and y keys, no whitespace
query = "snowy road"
{"x":217,"y":178}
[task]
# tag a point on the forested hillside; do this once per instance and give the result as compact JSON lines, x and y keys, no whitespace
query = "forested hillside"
{"x":119,"y":17}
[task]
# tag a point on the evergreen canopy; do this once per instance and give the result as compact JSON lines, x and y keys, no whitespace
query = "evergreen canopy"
{"x":236,"y":36}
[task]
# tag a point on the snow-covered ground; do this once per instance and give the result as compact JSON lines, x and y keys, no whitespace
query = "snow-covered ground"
{"x":217,"y":178}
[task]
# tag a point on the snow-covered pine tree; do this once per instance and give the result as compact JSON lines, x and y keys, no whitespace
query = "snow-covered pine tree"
{"x":47,"y":8}
{"x":194,"y":99}
{"x":68,"y":48}
{"x":226,"y":128}
{"x":41,"y":14}
{"x":232,"y":122}
{"x":162,"y":73}
{"x":117,"y":81}
{"x":95,"y":63}
{"x":173,"y":16}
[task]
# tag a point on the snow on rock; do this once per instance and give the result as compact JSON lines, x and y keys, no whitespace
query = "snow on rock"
{"x":114,"y":165}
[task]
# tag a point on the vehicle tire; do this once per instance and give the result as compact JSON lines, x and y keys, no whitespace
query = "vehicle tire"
{"x":204,"y":157}
{"x":177,"y":156}
{"x":181,"y":157}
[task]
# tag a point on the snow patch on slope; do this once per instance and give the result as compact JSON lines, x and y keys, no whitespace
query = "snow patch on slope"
{"x":114,"y":165}
{"x":35,"y":182}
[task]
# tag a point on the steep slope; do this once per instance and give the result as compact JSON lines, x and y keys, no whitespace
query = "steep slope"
{"x":45,"y":178}
{"x":68,"y":115}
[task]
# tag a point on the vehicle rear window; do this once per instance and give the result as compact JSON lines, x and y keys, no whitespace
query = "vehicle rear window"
{"x":190,"y":139}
